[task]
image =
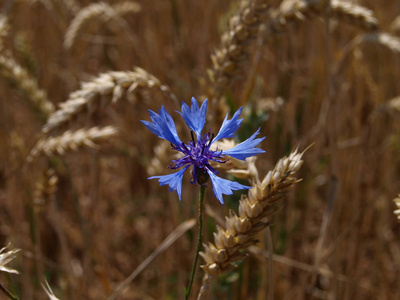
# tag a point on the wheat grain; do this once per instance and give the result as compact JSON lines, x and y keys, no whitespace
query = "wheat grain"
{"x":113,"y":85}
{"x":397,"y":211}
{"x":71,"y":141}
{"x":26,"y":83}
{"x":254,"y":210}
{"x":93,"y":12}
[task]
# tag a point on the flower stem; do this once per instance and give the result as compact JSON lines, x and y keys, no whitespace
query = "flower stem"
{"x":199,"y":241}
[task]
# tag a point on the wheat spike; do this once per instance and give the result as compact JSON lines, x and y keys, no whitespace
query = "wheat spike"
{"x":93,"y":12}
{"x":12,"y":70}
{"x":254,"y":211}
{"x":397,"y":211}
{"x":113,"y":85}
{"x":299,"y":10}
{"x":45,"y":188}
{"x":229,"y":61}
{"x":71,"y":141}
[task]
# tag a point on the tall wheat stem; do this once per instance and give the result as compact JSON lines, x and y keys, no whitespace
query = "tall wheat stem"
{"x":199,"y":241}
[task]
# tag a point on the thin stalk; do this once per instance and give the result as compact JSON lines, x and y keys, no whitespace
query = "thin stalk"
{"x":199,"y":241}
{"x":8,"y":293}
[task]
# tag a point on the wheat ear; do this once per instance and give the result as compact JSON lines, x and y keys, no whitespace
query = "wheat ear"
{"x":72,"y":6}
{"x":298,"y":10}
{"x":71,"y":141}
{"x":397,"y":202}
{"x":45,"y":188}
{"x":93,"y":12}
{"x":112,"y":86}
{"x":26,"y":83}
{"x":230,"y":60}
{"x":254,"y":210}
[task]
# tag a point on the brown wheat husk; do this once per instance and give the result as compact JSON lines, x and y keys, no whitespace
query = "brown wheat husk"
{"x":94,"y":12}
{"x":26,"y":83}
{"x":240,"y":229}
{"x":110,"y":87}
{"x":71,"y":141}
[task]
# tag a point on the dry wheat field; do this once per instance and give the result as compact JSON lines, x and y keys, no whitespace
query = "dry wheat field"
{"x":314,"y":215}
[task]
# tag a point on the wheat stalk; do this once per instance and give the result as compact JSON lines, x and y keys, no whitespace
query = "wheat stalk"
{"x":397,"y":202}
{"x":113,"y":85}
{"x":93,"y":12}
{"x":254,"y":211}
{"x":26,"y":83}
{"x":71,"y":141}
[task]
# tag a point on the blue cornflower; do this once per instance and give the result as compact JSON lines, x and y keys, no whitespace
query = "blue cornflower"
{"x":197,"y":152}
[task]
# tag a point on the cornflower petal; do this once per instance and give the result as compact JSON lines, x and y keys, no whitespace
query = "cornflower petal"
{"x":229,"y":127}
{"x":174,"y":181}
{"x":194,"y":116}
{"x":163,"y":126}
{"x":246,"y":148}
{"x":223,"y":186}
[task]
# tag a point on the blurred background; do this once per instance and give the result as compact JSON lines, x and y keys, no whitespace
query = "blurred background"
{"x":79,"y":204}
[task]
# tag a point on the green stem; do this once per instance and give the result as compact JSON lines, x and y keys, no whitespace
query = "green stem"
{"x":199,"y":241}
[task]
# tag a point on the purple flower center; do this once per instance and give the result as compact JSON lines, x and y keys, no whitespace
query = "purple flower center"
{"x":198,"y":154}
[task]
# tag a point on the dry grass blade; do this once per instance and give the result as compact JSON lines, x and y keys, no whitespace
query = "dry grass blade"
{"x":26,"y":83}
{"x":397,"y":211}
{"x":254,"y":210}
{"x":174,"y":235}
{"x":94,"y":12}
{"x":113,"y":85}
{"x":72,"y":141}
